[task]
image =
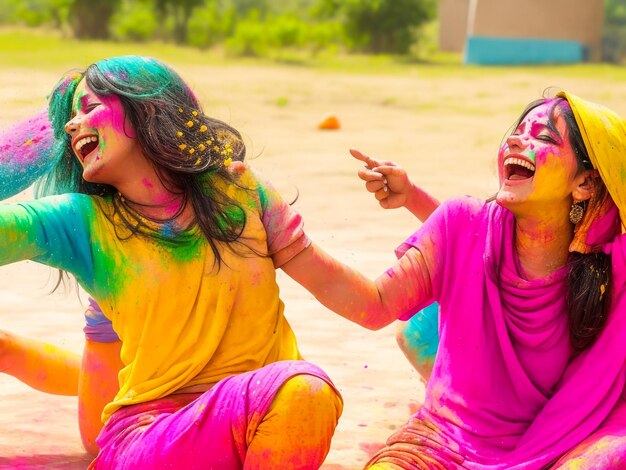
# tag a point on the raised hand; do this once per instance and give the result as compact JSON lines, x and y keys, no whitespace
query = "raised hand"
{"x":392,"y":188}
{"x":385,"y":179}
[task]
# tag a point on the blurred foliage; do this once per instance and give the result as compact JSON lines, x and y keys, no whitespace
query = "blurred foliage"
{"x":278,"y":29}
{"x":277,"y":36}
{"x":134,"y":21}
{"x":210,"y":25}
{"x":35,"y":12}
{"x":614,"y":37}
{"x":380,"y":26}
{"x":90,"y":19}
{"x":179,"y":11}
{"x":49,"y":51}
{"x":257,"y":28}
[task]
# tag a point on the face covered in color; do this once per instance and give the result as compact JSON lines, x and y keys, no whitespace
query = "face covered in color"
{"x":536,"y":164}
{"x":102,"y":139}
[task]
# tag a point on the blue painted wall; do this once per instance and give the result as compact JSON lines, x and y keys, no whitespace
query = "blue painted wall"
{"x":482,"y":50}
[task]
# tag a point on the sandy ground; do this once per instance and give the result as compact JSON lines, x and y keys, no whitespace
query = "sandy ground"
{"x":445,"y":128}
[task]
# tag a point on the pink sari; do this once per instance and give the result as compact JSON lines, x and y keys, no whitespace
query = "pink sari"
{"x":205,"y":430}
{"x":504,"y":392}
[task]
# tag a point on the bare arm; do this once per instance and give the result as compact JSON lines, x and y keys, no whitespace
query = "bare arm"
{"x":40,"y":365}
{"x":372,"y":304}
{"x":53,"y":370}
{"x":392,"y":188}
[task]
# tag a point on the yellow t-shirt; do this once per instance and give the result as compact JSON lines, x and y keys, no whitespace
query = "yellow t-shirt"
{"x":182,"y":321}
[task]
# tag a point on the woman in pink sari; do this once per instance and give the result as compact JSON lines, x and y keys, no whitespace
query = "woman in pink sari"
{"x":532,"y":355}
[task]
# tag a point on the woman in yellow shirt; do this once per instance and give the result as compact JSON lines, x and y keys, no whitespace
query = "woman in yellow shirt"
{"x":180,"y":254}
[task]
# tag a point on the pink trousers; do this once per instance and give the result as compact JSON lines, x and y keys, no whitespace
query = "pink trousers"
{"x":216,"y":429}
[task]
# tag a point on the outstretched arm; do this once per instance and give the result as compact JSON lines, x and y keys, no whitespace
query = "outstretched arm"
{"x":418,"y":337}
{"x":372,"y":304}
{"x":392,"y":188}
{"x":53,"y":370}
{"x":39,"y":365}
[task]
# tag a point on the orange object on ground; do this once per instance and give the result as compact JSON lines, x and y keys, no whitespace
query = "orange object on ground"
{"x":330,"y":122}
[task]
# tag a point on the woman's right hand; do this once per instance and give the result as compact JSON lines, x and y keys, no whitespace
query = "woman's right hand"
{"x":392,"y":188}
{"x":387,"y":180}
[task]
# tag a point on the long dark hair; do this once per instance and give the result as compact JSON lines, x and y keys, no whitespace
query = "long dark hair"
{"x":189,"y":150}
{"x":589,"y":277}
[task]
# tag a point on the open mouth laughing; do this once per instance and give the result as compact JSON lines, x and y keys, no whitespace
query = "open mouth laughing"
{"x":85,"y":145}
{"x":516,"y":169}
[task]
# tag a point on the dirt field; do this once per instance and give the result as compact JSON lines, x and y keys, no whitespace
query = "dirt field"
{"x":445,"y":128}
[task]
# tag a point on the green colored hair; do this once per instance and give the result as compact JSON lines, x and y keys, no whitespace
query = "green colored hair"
{"x":168,"y":122}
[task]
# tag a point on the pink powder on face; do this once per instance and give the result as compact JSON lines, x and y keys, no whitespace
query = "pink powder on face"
{"x":113,"y":115}
{"x":146,"y":182}
{"x":541,"y":154}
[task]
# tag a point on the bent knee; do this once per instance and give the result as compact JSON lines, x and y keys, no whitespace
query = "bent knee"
{"x":608,"y":452}
{"x":312,"y":392}
{"x":306,"y":383}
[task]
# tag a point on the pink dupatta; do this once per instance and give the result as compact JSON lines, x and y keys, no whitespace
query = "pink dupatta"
{"x":504,"y":393}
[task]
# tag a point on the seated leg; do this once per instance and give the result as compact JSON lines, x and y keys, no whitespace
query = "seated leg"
{"x":605,"y":449}
{"x":304,"y":414}
{"x":418,"y":339}
{"x":282,"y":415}
{"x":417,"y":445}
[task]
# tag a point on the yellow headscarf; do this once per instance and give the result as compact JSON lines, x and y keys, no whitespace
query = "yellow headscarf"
{"x":604,"y":135}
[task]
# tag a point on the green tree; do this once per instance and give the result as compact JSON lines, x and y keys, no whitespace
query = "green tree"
{"x":90,"y":19}
{"x":35,"y":12}
{"x":134,"y":20}
{"x":180,"y":11}
{"x":243,"y":8}
{"x":379,"y":26}
{"x":615,"y":12}
{"x":210,"y":24}
{"x":614,"y":40}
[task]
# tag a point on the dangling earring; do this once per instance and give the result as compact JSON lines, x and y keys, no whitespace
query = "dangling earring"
{"x":576,"y":212}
